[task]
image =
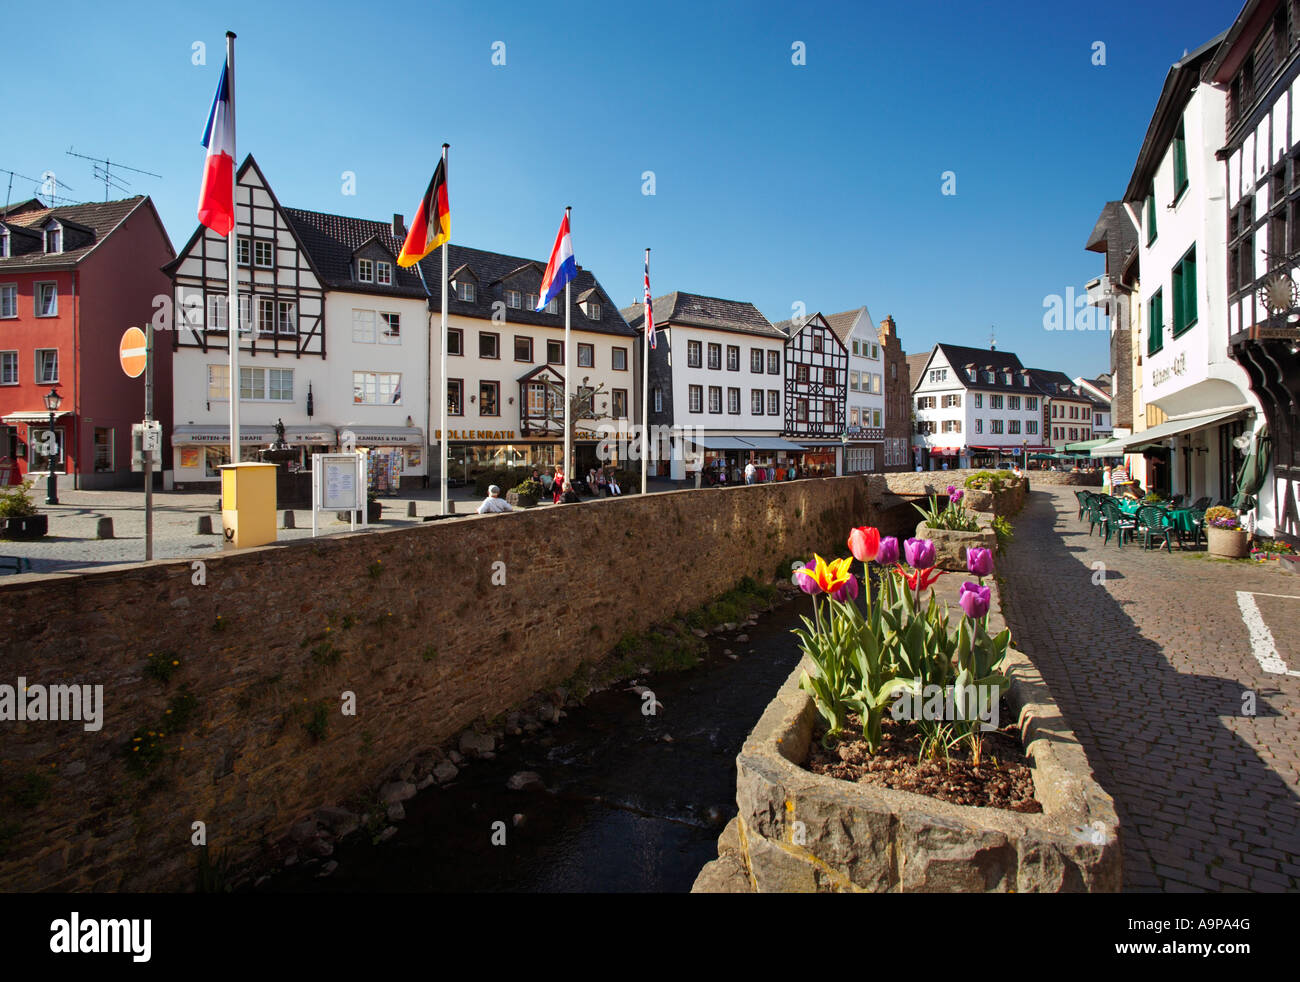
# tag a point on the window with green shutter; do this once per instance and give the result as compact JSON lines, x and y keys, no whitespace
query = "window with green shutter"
{"x":1180,"y":162}
{"x":1185,"y":293}
{"x":1156,"y":323}
{"x":1151,"y":215}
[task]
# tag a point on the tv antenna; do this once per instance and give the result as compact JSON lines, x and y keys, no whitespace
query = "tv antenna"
{"x":993,"y":339}
{"x":103,"y":170}
{"x":48,"y":181}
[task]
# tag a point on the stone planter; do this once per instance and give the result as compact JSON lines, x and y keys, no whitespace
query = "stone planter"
{"x":976,"y":500}
{"x":374,"y":511}
{"x":1229,"y":543}
{"x":521,"y":500}
{"x":950,"y":547}
{"x":802,"y":832}
{"x":26,"y":527}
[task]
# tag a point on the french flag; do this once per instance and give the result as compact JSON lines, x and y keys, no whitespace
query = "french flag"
{"x":217,"y":197}
{"x":561,"y":269}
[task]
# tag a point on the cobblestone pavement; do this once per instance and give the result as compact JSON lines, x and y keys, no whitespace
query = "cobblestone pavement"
{"x":71,"y":543}
{"x":1154,"y":666}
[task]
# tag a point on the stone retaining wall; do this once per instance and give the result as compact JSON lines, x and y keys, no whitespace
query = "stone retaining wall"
{"x":429,"y":627}
{"x":802,"y":832}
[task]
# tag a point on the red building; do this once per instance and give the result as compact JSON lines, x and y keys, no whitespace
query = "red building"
{"x":72,"y":279}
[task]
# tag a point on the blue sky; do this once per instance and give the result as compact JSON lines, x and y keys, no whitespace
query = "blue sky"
{"x":774,"y":183}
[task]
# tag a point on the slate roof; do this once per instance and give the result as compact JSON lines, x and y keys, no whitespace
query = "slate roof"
{"x":31,"y":204}
{"x":712,"y":313}
{"x":788,"y":329}
{"x":1114,"y":235}
{"x":1058,"y":385}
{"x":85,"y":226}
{"x":331,"y":241}
{"x":916,"y":365}
{"x":959,"y":356}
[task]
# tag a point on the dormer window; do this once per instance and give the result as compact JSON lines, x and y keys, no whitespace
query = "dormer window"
{"x":554,"y":306}
{"x":54,"y":238}
{"x":384,"y":273}
{"x":971,"y":373}
{"x":1024,"y":381}
{"x":465,"y":290}
{"x":366,"y":270}
{"x":593,"y":310}
{"x":1006,"y":378}
{"x":515,"y":300}
{"x":4,"y":244}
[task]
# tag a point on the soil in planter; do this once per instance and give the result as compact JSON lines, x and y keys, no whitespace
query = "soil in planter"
{"x":1002,"y":779}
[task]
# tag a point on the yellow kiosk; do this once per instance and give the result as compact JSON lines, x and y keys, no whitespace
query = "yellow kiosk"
{"x":248,"y":504}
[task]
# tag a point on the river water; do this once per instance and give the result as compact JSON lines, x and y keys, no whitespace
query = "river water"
{"x":632,"y":802}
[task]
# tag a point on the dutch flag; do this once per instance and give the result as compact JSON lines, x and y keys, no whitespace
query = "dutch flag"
{"x":561,"y":269}
{"x":217,"y":197}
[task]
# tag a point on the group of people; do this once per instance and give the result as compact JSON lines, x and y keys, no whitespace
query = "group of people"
{"x":720,"y":475}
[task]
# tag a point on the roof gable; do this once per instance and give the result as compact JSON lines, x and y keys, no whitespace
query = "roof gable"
{"x":85,"y":228}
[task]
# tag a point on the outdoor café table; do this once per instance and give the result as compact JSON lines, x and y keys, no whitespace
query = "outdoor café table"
{"x":1129,"y":506}
{"x":1181,"y":520}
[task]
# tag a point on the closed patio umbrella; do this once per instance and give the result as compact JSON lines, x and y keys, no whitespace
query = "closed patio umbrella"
{"x":1250,"y":478}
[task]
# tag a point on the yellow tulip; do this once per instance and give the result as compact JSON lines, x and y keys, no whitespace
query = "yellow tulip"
{"x":829,"y":577}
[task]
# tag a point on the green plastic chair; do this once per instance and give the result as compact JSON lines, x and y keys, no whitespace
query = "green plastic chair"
{"x":1116,"y":523}
{"x":1082,"y":498}
{"x":1198,"y":526}
{"x":1153,"y":522}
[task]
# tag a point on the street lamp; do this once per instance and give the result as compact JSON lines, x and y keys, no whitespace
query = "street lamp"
{"x":844,"y":453}
{"x":52,"y":402}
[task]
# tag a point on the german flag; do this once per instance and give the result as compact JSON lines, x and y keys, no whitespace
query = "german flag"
{"x":431,"y":226}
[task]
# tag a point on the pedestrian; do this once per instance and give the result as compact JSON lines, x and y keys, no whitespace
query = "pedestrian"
{"x":614,"y":489}
{"x":1105,"y":480}
{"x":750,"y":472}
{"x":494,"y":502}
{"x":602,"y":482}
{"x":591,"y":480}
{"x":557,"y":485}
{"x":569,"y":496}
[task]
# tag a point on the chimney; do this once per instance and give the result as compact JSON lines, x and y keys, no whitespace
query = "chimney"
{"x":399,"y":227}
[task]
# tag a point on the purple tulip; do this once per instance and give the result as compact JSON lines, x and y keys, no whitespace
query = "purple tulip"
{"x":888,"y":553}
{"x":919,"y":553}
{"x":974,"y":600}
{"x":955,"y":496}
{"x":979,"y":561}
{"x":806,"y":583}
{"x":847,"y":592}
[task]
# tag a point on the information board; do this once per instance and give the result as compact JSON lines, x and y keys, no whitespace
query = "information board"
{"x":338,"y":483}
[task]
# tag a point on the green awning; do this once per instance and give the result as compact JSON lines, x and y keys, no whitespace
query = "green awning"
{"x":1087,"y":446}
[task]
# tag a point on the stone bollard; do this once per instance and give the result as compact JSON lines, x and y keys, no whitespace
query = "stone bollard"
{"x":288,"y":520}
{"x":410,"y":510}
{"x":451,"y":507}
{"x":104,"y":528}
{"x":205,"y":525}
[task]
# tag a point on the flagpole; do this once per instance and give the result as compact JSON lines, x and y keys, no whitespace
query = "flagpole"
{"x":444,"y":445}
{"x":232,"y":267}
{"x":568,"y":375}
{"x":645,"y":381}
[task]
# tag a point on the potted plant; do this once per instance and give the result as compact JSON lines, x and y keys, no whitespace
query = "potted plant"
{"x":1224,"y":535}
{"x":18,"y":516}
{"x":525,"y":494}
{"x":953,"y":530}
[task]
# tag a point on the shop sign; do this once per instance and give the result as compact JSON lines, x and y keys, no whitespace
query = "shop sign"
{"x":1161,"y":375}
{"x":476,"y":434}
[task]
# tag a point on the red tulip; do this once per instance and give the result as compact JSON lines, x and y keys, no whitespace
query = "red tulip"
{"x":864,"y":543}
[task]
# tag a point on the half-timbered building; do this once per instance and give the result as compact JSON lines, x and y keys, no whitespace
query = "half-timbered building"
{"x":1259,"y":63}
{"x":816,"y":393}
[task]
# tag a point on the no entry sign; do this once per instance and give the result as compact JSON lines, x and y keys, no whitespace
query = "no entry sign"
{"x":132,"y":351}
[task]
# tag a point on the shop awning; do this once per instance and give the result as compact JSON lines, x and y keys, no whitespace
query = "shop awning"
{"x":774,"y":443}
{"x":722,"y":443}
{"x":1087,"y":446}
{"x":218,"y":433}
{"x":36,"y":416}
{"x":1174,"y":427}
{"x":325,"y":435}
{"x":1110,"y":448}
{"x":384,"y":436}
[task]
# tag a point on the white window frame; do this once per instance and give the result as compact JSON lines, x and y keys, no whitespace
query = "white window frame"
{"x":218,"y":383}
{"x":366,"y":270}
{"x":53,"y":231}
{"x":365,"y":335}
{"x":698,"y":348}
{"x":243,"y":251}
{"x":283,"y":374}
{"x":530,"y":301}
{"x":369,"y":384}
{"x":54,"y":294}
{"x":266,"y":317}
{"x":552,"y":305}
{"x":38,"y":376}
{"x":257,"y":263}
{"x":465,"y":291}
{"x":387,"y":335}
{"x":9,"y":290}
{"x":715,"y":390}
{"x":695,"y":399}
{"x":756,"y":402}
{"x":774,"y":363}
{"x":613,"y":359}
{"x":774,"y":402}
{"x":384,"y":273}
{"x":593,"y":310}
{"x":286,"y":325}
{"x":733,"y":401}
{"x":514,"y":299}
{"x":9,"y":357}
{"x":586,"y":355}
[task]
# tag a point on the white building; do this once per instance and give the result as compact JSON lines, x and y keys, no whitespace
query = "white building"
{"x":1177,"y":193}
{"x":1099,"y":390}
{"x":866,"y":390}
{"x":718,"y":366}
{"x":975,"y":407}
{"x":343,"y":345}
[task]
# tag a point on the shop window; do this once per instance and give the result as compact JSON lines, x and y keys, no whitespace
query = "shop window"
{"x":489,"y":399}
{"x":455,"y":397}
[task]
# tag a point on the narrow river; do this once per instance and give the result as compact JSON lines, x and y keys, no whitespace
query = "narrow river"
{"x":632,"y":802}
